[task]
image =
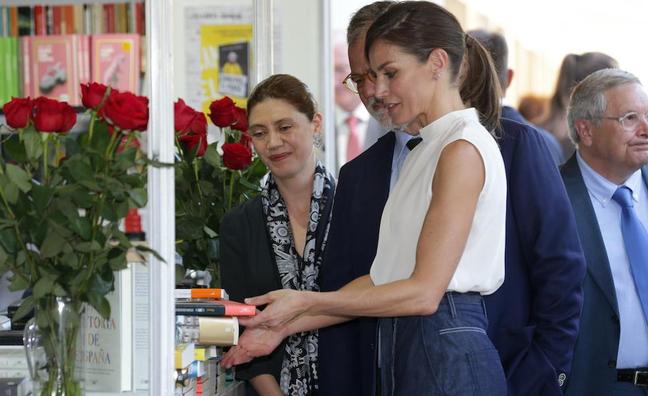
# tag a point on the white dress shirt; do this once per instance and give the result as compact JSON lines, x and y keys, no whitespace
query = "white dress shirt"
{"x":633,"y":342}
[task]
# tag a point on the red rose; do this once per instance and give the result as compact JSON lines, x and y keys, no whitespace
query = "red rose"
{"x":241,"y":122}
{"x":18,"y":112}
{"x":222,"y":112}
{"x":92,"y":94}
{"x":236,"y":156}
{"x":197,"y":143}
{"x":188,"y":120}
{"x":126,"y":111}
{"x":246,"y":139}
{"x":53,"y":116}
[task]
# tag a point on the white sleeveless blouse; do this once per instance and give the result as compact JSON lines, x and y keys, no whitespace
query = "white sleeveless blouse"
{"x":481,"y":267}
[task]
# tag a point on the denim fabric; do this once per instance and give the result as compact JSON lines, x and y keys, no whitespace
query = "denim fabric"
{"x":447,"y":353}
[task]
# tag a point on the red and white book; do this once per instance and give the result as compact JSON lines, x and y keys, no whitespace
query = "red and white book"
{"x":115,"y":60}
{"x":54,"y":67}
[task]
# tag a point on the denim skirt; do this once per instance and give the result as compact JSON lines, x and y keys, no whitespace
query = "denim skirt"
{"x":446,"y":353}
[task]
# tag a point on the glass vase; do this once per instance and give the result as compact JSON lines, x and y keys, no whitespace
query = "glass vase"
{"x":51,"y":345}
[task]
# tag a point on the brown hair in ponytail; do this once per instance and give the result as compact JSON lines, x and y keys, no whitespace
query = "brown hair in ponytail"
{"x":419,"y":27}
{"x":480,"y":86}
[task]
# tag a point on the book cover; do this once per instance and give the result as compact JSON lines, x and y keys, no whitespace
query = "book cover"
{"x":115,"y":60}
{"x":25,"y":65}
{"x":141,"y":323}
{"x":201,"y":293}
{"x":205,"y":307}
{"x":184,"y":355}
{"x":218,"y":331}
{"x":107,"y":350}
{"x":54,"y":68}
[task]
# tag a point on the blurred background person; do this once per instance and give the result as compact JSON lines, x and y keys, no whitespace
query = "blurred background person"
{"x":533,"y":108}
{"x":355,"y":129}
{"x":496,"y":45}
{"x":574,"y":69}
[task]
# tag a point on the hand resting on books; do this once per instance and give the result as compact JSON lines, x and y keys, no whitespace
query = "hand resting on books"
{"x":284,"y":305}
{"x":254,"y":342}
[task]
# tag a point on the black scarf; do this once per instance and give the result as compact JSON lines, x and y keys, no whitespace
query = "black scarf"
{"x":299,"y":375}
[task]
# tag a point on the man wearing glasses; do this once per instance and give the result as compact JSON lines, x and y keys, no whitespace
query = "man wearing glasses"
{"x":607,"y":182}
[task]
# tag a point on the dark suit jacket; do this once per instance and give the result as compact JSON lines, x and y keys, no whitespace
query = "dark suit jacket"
{"x":534,"y":315}
{"x":552,"y":143}
{"x":594,"y":366}
{"x":248,"y":269}
{"x":346,"y":351}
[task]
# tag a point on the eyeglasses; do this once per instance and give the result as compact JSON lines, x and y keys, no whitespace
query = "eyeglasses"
{"x":353,"y":81}
{"x":629,"y":121}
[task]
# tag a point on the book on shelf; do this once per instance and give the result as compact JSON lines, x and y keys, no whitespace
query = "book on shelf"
{"x":205,"y":307}
{"x":115,"y":351}
{"x":115,"y":60}
{"x":215,"y":293}
{"x":202,"y":330}
{"x":53,"y":67}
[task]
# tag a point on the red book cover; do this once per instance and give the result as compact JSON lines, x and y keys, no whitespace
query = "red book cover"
{"x":140,"y":23}
{"x":233,"y":308}
{"x":115,"y":60}
{"x":57,"y":20}
{"x":40,"y":21}
{"x":109,"y":21}
{"x":55,"y":69}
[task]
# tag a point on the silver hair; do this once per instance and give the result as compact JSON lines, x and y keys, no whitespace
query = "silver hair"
{"x":587,"y":100}
{"x":363,"y":18}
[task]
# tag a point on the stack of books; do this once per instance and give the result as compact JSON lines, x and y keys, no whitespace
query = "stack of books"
{"x":206,"y":321}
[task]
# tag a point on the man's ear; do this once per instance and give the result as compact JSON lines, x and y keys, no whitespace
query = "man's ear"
{"x":509,"y":77}
{"x":584,"y":131}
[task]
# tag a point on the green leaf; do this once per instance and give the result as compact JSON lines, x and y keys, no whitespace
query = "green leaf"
{"x":99,"y":303}
{"x":43,"y":287}
{"x":15,"y":149}
{"x":19,"y":177}
{"x":33,"y":144}
{"x":41,"y":196}
{"x":139,"y":196}
{"x":18,"y":283}
{"x":211,"y":155}
{"x":52,"y":245}
{"x":79,"y":169}
{"x":59,"y":291}
{"x":144,"y":249}
{"x":25,"y":308}
{"x":87,"y":247}
{"x":11,"y":192}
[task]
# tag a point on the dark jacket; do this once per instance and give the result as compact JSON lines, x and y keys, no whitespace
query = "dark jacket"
{"x":594,"y":368}
{"x":248,"y":269}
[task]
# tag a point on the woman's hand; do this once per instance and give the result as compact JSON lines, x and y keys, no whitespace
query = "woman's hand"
{"x":254,"y":342}
{"x":283,"y":306}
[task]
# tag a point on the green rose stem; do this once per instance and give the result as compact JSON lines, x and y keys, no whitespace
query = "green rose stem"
{"x":45,"y":157}
{"x":92,"y":122}
{"x":231,"y":191}
{"x":194,"y":163}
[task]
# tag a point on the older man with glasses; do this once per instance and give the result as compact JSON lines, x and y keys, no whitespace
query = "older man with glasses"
{"x":607,"y":182}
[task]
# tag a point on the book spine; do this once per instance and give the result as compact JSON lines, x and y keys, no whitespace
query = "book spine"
{"x":141,"y":325}
{"x":201,"y":293}
{"x":13,"y":20}
{"x":25,"y":50}
{"x":57,"y":19}
{"x":196,"y":309}
{"x":40,"y":20}
{"x":240,"y":310}
{"x":25,"y":21}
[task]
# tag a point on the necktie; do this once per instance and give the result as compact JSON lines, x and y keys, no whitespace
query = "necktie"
{"x":635,"y":239}
{"x":353,"y":145}
{"x":413,"y":142}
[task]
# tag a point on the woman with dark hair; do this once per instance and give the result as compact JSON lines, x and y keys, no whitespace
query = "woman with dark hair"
{"x":574,"y":69}
{"x":276,"y":240}
{"x":441,"y":242}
